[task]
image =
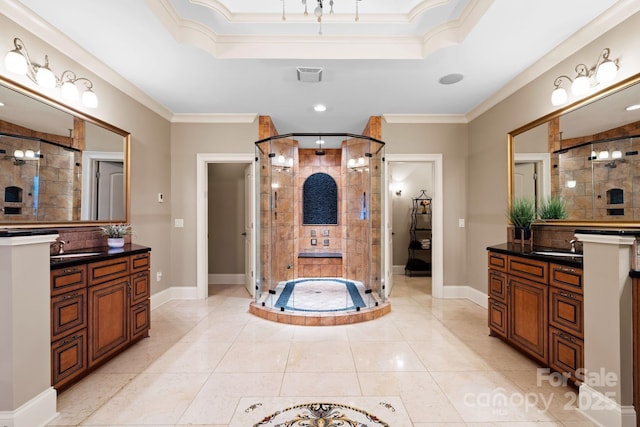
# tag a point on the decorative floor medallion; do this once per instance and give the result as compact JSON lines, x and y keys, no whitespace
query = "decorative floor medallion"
{"x":321,"y":415}
{"x":354,"y":411}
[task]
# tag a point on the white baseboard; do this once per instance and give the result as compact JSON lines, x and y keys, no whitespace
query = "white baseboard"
{"x":175,"y":292}
{"x":603,"y":410}
{"x":467,"y":292}
{"x":397,"y":269}
{"x":37,"y":412}
{"x":226,"y":279}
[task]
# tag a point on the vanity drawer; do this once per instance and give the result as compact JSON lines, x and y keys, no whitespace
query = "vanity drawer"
{"x":498,"y":285}
{"x":140,"y":262}
{"x":566,"y":352}
{"x":68,"y":279}
{"x":140,"y":316}
{"x":497,"y":261}
{"x":568,"y":278}
{"x":529,"y":269}
{"x":68,"y":313}
{"x":565,"y":311}
{"x":103,"y":271}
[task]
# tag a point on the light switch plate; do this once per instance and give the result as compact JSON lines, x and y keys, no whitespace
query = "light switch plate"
{"x":179,"y":223}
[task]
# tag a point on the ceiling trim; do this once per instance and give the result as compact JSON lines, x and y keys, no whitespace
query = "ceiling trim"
{"x":425,"y":118}
{"x":215,"y":118}
{"x":271,"y":18}
{"x":296,"y":46}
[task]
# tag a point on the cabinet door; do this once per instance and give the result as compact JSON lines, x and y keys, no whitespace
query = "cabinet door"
{"x":566,"y":353}
{"x":140,"y":289}
{"x":498,"y":317}
{"x":68,"y":358}
{"x":140,"y":320}
{"x":565,"y":311}
{"x":68,"y":313}
{"x":498,"y":285}
{"x":108,"y":319}
{"x":528,"y":323}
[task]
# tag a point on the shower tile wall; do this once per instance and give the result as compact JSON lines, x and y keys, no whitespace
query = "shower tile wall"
{"x":331,"y":164}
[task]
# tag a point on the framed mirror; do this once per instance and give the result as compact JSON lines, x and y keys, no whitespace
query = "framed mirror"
{"x":59,"y":166}
{"x":586,"y":154}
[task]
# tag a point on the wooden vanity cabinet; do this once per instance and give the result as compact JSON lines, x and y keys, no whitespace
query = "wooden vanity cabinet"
{"x":97,"y":310}
{"x":536,"y":306}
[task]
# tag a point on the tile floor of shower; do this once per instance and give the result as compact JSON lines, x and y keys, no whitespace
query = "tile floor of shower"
{"x":207,"y":360}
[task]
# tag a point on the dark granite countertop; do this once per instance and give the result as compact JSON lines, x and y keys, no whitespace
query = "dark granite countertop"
{"x":527,"y":251}
{"x":101,"y":253}
{"x":14,"y":232}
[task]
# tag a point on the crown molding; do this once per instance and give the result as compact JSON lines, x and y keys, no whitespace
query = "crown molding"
{"x":425,"y":118}
{"x":388,"y":18}
{"x":215,"y":118}
{"x":295,"y":46}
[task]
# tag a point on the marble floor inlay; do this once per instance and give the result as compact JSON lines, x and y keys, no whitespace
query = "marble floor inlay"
{"x":211,"y":363}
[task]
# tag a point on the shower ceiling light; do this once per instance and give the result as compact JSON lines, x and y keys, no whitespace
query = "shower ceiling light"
{"x":17,"y":61}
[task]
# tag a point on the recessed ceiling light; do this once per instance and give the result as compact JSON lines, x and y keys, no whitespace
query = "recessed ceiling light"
{"x":450,"y":79}
{"x":633,"y":107}
{"x":1,"y":104}
{"x":320,"y":108}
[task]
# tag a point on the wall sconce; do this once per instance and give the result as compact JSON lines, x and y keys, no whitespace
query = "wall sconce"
{"x":571,"y":183}
{"x":604,"y":71}
{"x":397,"y":188}
{"x":359,"y":164}
{"x":281,"y":161}
{"x":18,"y":62}
{"x":19,"y":157}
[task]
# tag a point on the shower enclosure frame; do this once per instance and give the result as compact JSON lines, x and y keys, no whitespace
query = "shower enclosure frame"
{"x":283,"y":240}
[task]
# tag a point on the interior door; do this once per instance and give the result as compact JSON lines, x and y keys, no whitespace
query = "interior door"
{"x":248,"y":234}
{"x":388,"y":231}
{"x":109,"y":190}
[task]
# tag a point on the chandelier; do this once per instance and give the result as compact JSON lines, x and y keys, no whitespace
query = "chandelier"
{"x":318,"y":11}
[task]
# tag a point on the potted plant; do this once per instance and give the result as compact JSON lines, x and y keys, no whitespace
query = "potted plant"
{"x":553,"y":208}
{"x":521,"y":214}
{"x":115,"y":234}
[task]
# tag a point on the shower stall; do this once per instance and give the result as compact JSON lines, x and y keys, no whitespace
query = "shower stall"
{"x":320,"y":210}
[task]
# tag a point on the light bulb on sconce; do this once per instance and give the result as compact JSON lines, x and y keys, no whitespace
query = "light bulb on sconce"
{"x":18,"y":61}
{"x":603,"y":71}
{"x":571,"y":183}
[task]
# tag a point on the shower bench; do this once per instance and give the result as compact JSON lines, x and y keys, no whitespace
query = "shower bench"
{"x":320,"y":264}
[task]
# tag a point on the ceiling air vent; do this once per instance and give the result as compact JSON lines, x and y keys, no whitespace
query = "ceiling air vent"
{"x":309,"y":74}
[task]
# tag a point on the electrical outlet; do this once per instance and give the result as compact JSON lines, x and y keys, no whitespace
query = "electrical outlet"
{"x":158,"y":276}
{"x":160,"y":197}
{"x":461,"y":222}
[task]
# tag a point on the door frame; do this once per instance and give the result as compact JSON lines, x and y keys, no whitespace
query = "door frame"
{"x":89,"y":178}
{"x":437,"y":273}
{"x":202,"y":223}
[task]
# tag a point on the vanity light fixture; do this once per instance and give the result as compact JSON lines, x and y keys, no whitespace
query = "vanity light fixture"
{"x":17,"y":61}
{"x":586,"y":78}
{"x":318,"y":11}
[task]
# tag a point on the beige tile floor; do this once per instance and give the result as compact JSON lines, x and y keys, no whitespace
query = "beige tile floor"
{"x":207,"y":361}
